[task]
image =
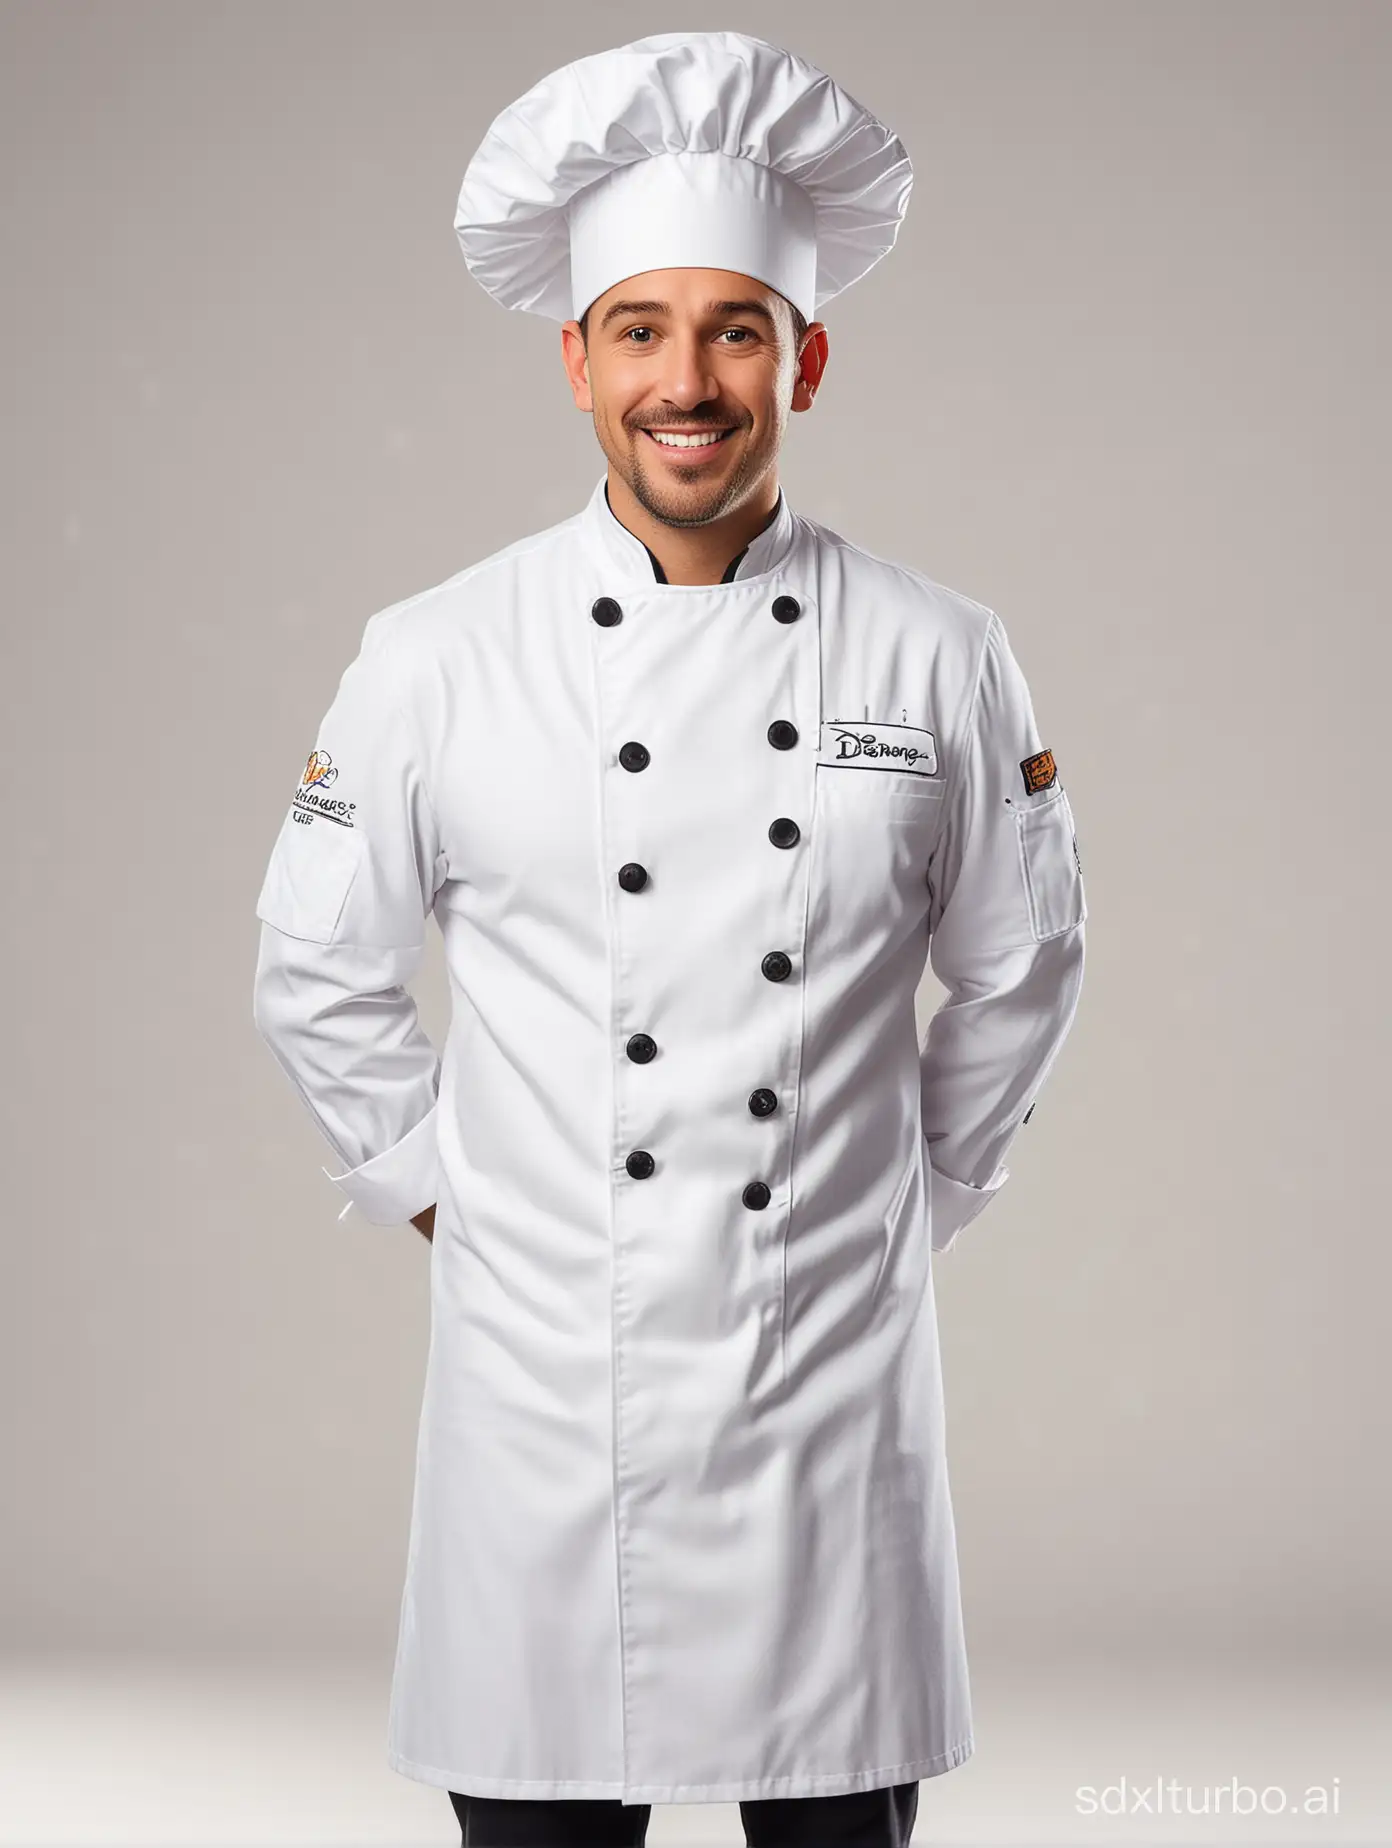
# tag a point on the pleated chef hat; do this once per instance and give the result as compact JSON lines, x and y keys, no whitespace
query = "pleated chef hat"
{"x":686,"y":150}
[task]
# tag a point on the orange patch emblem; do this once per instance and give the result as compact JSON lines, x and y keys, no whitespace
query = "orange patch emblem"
{"x":1038,"y":771}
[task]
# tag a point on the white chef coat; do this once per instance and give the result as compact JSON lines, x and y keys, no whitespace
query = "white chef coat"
{"x":681,"y":1528}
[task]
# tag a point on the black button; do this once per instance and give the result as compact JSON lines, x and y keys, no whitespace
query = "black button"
{"x":776,"y":966}
{"x":784,"y":832}
{"x":782,"y":734}
{"x":632,"y":876}
{"x":756,"y":1194}
{"x":640,"y":1164}
{"x":763,"y":1103}
{"x":633,"y":756}
{"x":641,"y":1048}
{"x":606,"y":612}
{"x":786,"y":609}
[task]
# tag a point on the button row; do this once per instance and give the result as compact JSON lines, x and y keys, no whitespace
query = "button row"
{"x":783,"y":831}
{"x":607,"y":612}
{"x":782,"y":735}
{"x":640,"y":1165}
{"x":777,"y":965}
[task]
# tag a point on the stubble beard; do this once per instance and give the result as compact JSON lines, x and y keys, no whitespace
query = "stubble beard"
{"x":692,"y":504}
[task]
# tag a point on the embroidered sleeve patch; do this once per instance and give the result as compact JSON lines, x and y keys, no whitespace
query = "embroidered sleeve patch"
{"x":1039,"y":771}
{"x":311,"y":803}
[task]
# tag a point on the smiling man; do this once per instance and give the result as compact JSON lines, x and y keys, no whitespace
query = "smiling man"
{"x":694,"y":788}
{"x":690,"y":375}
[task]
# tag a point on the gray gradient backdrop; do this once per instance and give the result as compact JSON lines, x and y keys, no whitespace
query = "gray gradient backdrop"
{"x":1125,"y":380}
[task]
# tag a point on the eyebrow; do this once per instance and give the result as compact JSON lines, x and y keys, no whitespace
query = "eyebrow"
{"x":747,"y":307}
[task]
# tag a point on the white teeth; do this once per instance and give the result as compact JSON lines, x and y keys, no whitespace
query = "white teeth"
{"x":675,"y":441}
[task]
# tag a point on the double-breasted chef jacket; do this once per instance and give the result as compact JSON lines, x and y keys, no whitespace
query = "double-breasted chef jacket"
{"x":681,"y":1527}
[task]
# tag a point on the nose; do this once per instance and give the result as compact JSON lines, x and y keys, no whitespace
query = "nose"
{"x":687,"y":378}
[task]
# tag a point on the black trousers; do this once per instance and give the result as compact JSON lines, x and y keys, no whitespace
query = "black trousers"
{"x":858,"y":1819}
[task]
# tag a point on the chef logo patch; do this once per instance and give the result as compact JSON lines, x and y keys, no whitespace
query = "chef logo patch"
{"x":1039,"y":771}
{"x":311,"y":803}
{"x":876,"y":744}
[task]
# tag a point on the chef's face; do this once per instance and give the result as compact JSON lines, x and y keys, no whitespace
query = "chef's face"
{"x":699,"y":351}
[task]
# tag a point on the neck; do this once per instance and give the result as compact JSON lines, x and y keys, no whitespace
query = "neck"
{"x":695,"y":554}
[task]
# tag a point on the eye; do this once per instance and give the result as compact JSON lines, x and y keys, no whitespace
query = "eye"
{"x":745,"y":334}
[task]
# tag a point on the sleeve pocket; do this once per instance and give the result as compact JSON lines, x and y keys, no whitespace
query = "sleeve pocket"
{"x":310,"y":875}
{"x":1050,"y":869}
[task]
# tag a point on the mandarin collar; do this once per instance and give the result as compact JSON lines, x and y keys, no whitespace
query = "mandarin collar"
{"x":625,"y":554}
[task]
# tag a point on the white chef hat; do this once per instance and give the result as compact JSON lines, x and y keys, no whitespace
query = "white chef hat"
{"x":686,"y":150}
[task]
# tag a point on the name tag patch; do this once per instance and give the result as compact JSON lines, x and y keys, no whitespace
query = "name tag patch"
{"x":875,"y":744}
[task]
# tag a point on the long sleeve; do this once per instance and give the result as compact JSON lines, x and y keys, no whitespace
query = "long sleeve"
{"x":1006,"y":917}
{"x":352,"y":877}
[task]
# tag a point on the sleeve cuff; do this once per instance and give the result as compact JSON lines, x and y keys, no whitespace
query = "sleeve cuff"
{"x":401,"y":1181}
{"x":952,"y":1204}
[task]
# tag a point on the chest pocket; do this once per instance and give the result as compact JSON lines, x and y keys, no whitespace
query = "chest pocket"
{"x":875,"y":834}
{"x":847,"y":795}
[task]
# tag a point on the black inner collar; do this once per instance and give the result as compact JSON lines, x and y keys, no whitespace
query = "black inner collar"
{"x":730,"y":569}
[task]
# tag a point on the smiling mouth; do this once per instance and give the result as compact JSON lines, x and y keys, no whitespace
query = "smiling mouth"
{"x":675,"y":445}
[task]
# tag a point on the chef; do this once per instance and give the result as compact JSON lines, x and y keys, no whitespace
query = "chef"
{"x":693,"y":787}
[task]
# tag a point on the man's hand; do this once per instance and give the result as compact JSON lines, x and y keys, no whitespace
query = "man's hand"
{"x":426,"y":1222}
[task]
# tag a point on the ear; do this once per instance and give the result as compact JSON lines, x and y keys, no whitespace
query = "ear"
{"x":577,"y":365}
{"x":811,"y":364}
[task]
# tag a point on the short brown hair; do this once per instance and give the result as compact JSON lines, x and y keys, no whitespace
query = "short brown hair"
{"x":799,"y":323}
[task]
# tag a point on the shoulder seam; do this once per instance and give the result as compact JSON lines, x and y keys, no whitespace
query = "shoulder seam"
{"x":968,"y":714}
{"x":893,"y":564}
{"x":520,"y":548}
{"x":406,"y":716}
